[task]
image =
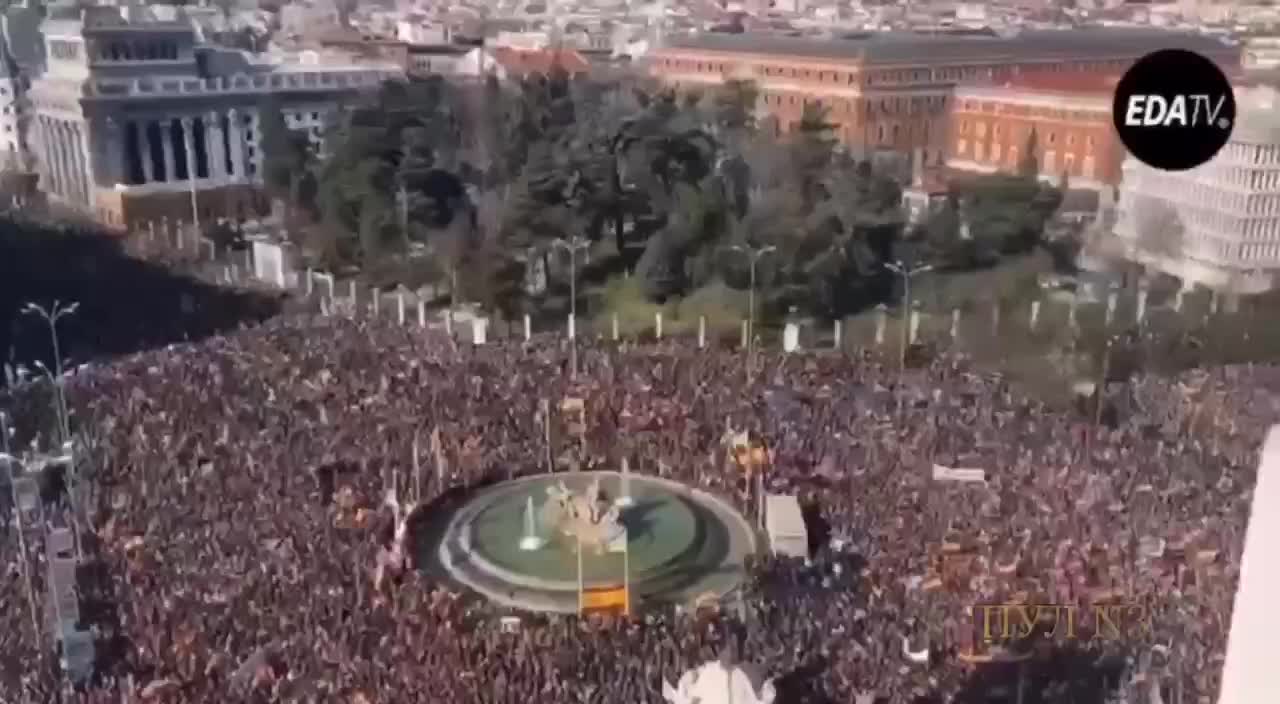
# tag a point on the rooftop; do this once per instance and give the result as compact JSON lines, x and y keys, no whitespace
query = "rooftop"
{"x":904,"y":47}
{"x":1073,"y":84}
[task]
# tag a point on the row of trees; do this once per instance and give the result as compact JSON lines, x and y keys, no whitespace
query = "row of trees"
{"x":486,"y":178}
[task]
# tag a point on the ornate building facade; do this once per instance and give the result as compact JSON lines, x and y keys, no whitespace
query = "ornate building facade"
{"x":1070,"y":115}
{"x":894,"y":91}
{"x":1217,"y":225}
{"x":134,"y":119}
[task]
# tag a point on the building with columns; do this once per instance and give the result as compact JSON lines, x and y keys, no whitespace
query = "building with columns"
{"x":135,"y":120}
{"x":1217,"y":225}
{"x":893,"y":91}
{"x":1069,"y":114}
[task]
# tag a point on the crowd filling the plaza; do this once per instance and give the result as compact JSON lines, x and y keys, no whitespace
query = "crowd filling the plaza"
{"x":240,"y":549}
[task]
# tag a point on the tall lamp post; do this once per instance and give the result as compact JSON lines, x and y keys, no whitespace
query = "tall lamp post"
{"x":51,"y":316}
{"x":753,"y":255}
{"x":8,"y":461}
{"x":901,"y":270}
{"x":572,"y":245}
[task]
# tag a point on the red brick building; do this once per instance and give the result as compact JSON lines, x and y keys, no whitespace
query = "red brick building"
{"x":991,"y":127}
{"x":893,"y":91}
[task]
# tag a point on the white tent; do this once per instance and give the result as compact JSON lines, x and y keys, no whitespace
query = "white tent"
{"x":784,"y":524}
{"x":1248,"y":677}
{"x":719,"y":683}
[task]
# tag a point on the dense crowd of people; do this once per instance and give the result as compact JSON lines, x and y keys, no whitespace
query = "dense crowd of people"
{"x":237,"y":522}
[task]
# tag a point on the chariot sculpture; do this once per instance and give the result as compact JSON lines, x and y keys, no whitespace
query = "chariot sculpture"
{"x":587,"y":518}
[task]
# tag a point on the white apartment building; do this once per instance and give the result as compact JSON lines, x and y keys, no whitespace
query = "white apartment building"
{"x":135,"y":120}
{"x":1217,"y":225}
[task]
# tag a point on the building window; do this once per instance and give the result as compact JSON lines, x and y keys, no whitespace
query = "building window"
{"x":981,"y":130}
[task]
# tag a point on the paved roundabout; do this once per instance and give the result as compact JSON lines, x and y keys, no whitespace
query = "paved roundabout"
{"x":682,"y":543}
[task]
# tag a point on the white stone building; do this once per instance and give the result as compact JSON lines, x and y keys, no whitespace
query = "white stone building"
{"x":1217,"y":225}
{"x":135,"y":120}
{"x":13,"y":143}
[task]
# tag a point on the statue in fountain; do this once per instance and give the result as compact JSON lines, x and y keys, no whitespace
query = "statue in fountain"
{"x":587,"y":517}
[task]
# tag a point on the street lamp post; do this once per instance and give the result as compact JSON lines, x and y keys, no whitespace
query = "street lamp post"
{"x":901,"y":270}
{"x":572,"y":245}
{"x":753,"y":255}
{"x":8,"y":461}
{"x":51,"y":316}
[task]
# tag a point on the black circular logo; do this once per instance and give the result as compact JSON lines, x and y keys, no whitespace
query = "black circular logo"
{"x":1174,"y":109}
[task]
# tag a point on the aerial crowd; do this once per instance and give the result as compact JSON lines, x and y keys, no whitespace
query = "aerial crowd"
{"x":238,"y":532}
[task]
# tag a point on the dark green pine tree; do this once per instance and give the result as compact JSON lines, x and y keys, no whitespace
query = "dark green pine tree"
{"x":1029,"y":162}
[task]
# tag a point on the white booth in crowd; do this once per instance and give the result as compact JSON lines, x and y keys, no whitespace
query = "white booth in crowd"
{"x":784,"y":525}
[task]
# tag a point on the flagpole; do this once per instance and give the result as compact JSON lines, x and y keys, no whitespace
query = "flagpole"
{"x":417,"y":470}
{"x":580,"y":586}
{"x":626,"y":571}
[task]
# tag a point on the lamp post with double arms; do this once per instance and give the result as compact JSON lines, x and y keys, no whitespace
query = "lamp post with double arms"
{"x":572,"y":245}
{"x":753,"y":255}
{"x":901,"y":270}
{"x":51,"y":316}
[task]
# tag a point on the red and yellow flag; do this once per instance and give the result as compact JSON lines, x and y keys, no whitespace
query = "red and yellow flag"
{"x":611,"y":599}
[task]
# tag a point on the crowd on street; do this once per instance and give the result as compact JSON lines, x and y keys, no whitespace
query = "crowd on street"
{"x":238,"y":521}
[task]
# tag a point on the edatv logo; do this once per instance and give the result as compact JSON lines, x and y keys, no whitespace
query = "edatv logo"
{"x":1174,"y":109}
{"x":1156,"y":111}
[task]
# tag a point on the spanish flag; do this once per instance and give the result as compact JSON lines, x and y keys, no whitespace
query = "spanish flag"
{"x":609,"y":599}
{"x":751,"y":458}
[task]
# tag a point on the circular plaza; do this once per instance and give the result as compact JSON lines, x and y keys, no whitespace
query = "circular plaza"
{"x":523,"y":543}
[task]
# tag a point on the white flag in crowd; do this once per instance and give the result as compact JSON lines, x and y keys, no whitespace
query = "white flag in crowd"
{"x":953,"y":474}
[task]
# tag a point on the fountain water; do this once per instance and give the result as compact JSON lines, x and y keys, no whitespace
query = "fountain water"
{"x":624,"y":491}
{"x":530,"y":540}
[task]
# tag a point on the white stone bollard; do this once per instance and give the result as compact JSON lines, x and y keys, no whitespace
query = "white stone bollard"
{"x":422,"y":313}
{"x":448,"y":323}
{"x":1112,"y":299}
{"x":1140,"y":315}
{"x":352,"y":296}
{"x":528,"y":327}
{"x":746,"y":332}
{"x":615,"y":330}
{"x":1072,"y":323}
{"x":913,"y":331}
{"x":400,"y":308}
{"x":1177,"y":301}
{"x":151,"y":231}
{"x":657,"y":325}
{"x":1035,"y":315}
{"x":882,"y":315}
{"x":573,"y":328}
{"x":479,"y":331}
{"x":310,"y":284}
{"x":995,"y":318}
{"x":324,"y":307}
{"x":376,"y":304}
{"x":837,"y":331}
{"x":328,"y":282}
{"x":702,"y":332}
{"x":955,"y":324}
